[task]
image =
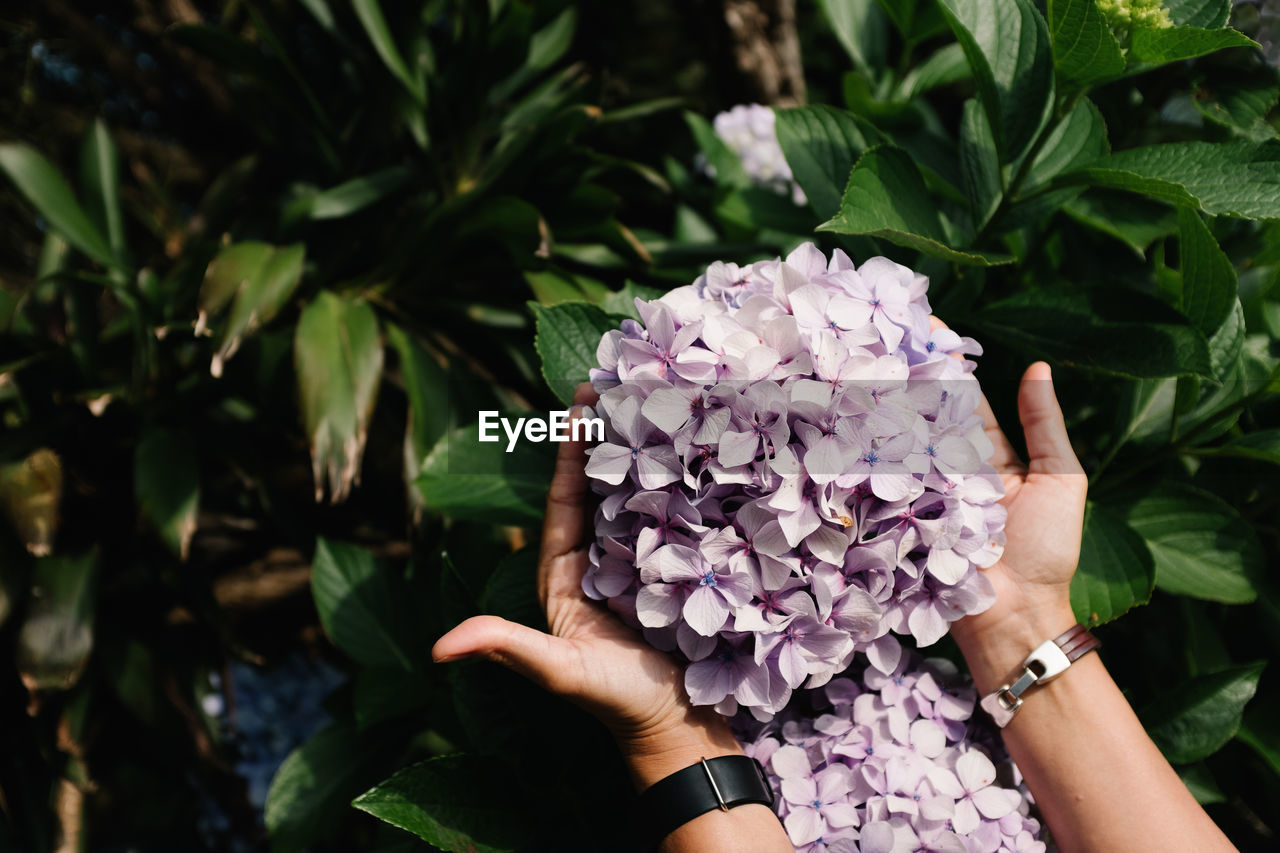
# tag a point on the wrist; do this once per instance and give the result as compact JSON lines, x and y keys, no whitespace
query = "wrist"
{"x":657,"y":751}
{"x":995,"y":646}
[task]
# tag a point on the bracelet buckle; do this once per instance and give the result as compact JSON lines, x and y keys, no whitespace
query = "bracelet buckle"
{"x":1046,"y":662}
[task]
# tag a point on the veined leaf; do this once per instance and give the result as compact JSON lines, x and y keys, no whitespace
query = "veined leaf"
{"x":1208,"y":278}
{"x":338,"y":356}
{"x":567,"y":339}
{"x":1201,"y":546}
{"x":465,"y":477}
{"x":361,"y":605}
{"x":1198,"y":719}
{"x":1199,"y":13}
{"x":1152,"y":47}
{"x":1240,"y":179}
{"x":1108,"y":330}
{"x":886,"y":197}
{"x":446,"y":802}
{"x":1116,"y":571}
{"x":1008,"y":47}
{"x":980,"y":164}
{"x":1080,"y":138}
{"x":1132,"y":219}
{"x":821,"y":145}
{"x":860,"y":27}
{"x":1084,"y":50}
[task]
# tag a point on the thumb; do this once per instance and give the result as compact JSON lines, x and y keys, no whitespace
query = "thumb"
{"x":541,"y":658}
{"x":1048,"y":447}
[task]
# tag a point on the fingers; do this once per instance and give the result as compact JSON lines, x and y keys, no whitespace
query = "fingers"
{"x":539,"y":657}
{"x":1004,"y":458}
{"x":1045,"y":432}
{"x":565,"y":525}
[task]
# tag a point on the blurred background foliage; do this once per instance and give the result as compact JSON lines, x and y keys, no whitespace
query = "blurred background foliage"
{"x":260,"y":258}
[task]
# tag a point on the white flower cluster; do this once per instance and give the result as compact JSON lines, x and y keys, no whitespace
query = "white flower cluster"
{"x":748,"y":130}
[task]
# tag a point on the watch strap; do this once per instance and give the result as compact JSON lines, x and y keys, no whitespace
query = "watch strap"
{"x":713,"y":783}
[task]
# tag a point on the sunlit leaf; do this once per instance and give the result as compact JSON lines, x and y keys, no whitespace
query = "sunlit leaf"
{"x":338,"y":356}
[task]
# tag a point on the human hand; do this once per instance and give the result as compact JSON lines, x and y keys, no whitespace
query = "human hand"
{"x":1045,"y":499}
{"x":590,"y":657}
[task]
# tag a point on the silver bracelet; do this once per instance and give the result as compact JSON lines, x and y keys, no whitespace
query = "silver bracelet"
{"x":1049,"y":660}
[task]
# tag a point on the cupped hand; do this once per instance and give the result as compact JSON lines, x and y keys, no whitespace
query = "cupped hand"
{"x":1045,"y":499}
{"x":589,"y":656}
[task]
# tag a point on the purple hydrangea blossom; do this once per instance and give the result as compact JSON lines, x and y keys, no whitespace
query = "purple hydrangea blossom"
{"x":892,"y":763}
{"x":792,"y":474}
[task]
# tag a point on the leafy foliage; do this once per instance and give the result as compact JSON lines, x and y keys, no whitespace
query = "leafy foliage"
{"x":189,"y":372}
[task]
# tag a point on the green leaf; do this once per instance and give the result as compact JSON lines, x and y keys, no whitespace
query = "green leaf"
{"x":1007,"y":44}
{"x":166,"y":480}
{"x":1201,"y":546}
{"x":1199,"y":13}
{"x":257,"y":279}
{"x":1260,"y":446}
{"x":42,"y":186}
{"x":1084,"y":50}
{"x":1200,"y":782}
{"x":886,"y":197}
{"x":100,"y":181}
{"x":426,"y":386}
{"x":375,"y":26}
{"x":1260,"y":731}
{"x":385,"y":693}
{"x":1116,"y":571}
{"x":512,"y":590}
{"x":980,"y":164}
{"x":1197,"y":720}
{"x":1153,"y":46}
{"x":821,"y":144}
{"x":1241,"y":102}
{"x":360,"y":602}
{"x":727,"y":166}
{"x":1132,"y":219}
{"x":56,"y":637}
{"x":567,"y":338}
{"x":1080,"y":138}
{"x":1226,"y":343}
{"x":1240,"y":179}
{"x":1107,"y":330}
{"x":337,"y":354}
{"x":449,"y":802}
{"x":464,"y":477}
{"x":860,"y":27}
{"x":310,"y":792}
{"x":1208,"y":279}
{"x":358,"y":193}
{"x":550,"y":43}
{"x":945,"y":66}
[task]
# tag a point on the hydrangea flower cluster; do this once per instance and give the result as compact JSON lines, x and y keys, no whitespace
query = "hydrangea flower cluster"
{"x":892,"y":763}
{"x":748,"y":130}
{"x":792,"y":472}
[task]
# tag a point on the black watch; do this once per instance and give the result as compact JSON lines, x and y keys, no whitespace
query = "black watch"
{"x":712,"y":783}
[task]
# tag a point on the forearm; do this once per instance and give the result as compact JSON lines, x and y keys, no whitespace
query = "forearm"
{"x":654,"y":756}
{"x":1097,"y":778}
